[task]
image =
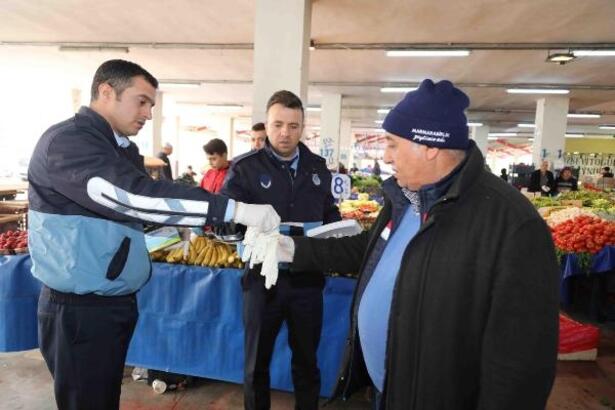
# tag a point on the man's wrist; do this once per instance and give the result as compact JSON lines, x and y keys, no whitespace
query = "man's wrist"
{"x":231,"y":210}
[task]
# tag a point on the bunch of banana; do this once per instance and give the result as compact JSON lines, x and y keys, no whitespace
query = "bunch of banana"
{"x":201,"y":251}
{"x":158,"y":256}
{"x":175,"y":256}
{"x":205,"y":252}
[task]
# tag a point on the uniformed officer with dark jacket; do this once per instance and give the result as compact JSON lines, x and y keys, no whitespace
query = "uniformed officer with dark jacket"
{"x":297,"y":184}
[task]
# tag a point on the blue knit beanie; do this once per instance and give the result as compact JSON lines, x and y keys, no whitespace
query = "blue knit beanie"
{"x":432,"y":115}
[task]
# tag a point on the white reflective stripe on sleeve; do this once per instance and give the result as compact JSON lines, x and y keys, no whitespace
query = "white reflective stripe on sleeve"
{"x":168,"y":211}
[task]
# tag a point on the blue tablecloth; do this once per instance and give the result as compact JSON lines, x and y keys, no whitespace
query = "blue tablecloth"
{"x":189,"y":322}
{"x":19,"y":292}
{"x":602,"y":262}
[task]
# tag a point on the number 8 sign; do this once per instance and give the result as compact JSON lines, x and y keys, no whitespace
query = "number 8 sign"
{"x":340,"y":186}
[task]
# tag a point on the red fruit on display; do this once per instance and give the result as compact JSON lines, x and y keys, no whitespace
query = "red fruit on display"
{"x":584,"y":234}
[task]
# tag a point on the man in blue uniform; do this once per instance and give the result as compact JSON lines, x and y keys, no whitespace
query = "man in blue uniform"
{"x":89,"y":196}
{"x":297,"y":183}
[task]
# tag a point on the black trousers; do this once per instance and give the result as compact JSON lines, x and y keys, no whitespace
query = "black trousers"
{"x":264,"y":311}
{"x":84,"y":340}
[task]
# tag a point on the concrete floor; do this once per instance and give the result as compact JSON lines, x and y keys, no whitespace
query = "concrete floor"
{"x":25,"y":384}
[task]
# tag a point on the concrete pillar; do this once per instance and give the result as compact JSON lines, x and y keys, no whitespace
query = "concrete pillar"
{"x":550,"y":131}
{"x":345,"y":143}
{"x":157,"y":126}
{"x":480,"y":136}
{"x":330,"y":122}
{"x":281,"y":51}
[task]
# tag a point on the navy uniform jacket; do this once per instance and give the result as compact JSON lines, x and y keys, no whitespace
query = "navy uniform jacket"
{"x":259,"y":178}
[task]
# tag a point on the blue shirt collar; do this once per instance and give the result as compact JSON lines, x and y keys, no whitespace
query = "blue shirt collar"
{"x":294,"y":162}
{"x":121,"y":140}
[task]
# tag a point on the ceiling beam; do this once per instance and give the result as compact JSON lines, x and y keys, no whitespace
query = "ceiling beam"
{"x":324,"y":46}
{"x":380,"y":84}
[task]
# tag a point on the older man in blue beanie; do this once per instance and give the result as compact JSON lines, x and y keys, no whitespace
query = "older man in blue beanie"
{"x":456,"y":306}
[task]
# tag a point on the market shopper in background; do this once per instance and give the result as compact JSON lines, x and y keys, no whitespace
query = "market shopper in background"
{"x":217,"y":154}
{"x":89,"y":196}
{"x":166,"y":172}
{"x":456,"y":306}
{"x":287,"y":175}
{"x":376,"y":169}
{"x":606,"y":172}
{"x":542,"y":180}
{"x":258,"y":136}
{"x":504,"y":174}
{"x":565,"y":182}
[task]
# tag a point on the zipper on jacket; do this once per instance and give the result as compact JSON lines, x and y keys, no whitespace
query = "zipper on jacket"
{"x":354,"y":323}
{"x":424,"y":226}
{"x":429,"y":221}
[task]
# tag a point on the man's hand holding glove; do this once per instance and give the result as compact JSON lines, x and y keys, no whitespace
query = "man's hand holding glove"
{"x":269,"y":249}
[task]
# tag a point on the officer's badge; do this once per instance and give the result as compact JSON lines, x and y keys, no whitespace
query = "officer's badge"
{"x":265,"y":181}
{"x":316,"y":179}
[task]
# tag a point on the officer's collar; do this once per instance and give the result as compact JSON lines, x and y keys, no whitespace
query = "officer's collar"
{"x":121,"y":140}
{"x":280,"y":158}
{"x":276,"y":157}
{"x":88,"y":116}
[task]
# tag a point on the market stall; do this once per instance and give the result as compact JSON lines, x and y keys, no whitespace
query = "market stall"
{"x":190,"y":322}
{"x":582,"y":225}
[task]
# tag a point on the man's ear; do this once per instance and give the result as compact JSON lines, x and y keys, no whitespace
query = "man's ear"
{"x":106,"y":92}
{"x":431,"y":153}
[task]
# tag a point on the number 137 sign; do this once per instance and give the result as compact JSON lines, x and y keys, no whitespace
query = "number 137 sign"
{"x":340,"y":186}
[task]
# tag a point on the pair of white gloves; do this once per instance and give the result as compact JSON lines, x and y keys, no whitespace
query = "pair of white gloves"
{"x":263,"y":242}
{"x":268,"y":248}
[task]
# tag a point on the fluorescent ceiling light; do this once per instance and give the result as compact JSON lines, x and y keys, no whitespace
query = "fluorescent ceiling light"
{"x":397,"y":89}
{"x":526,"y":125}
{"x":579,"y":115}
{"x":492,"y":138}
{"x":536,"y":91}
{"x":475,"y":124}
{"x":378,"y":121}
{"x":384,"y":110}
{"x":607,"y":127}
{"x":503,"y":134}
{"x":178,"y":84}
{"x":560,"y":58}
{"x":380,"y":130}
{"x":574,"y":135}
{"x":428,"y":53}
{"x":594,"y":53}
{"x":313,"y":109}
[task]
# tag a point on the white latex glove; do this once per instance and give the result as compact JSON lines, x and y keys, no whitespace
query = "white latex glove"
{"x":286,"y":249}
{"x":269,"y":269}
{"x":255,"y":246}
{"x":545,"y":188}
{"x":280,"y":248}
{"x":263,"y":217}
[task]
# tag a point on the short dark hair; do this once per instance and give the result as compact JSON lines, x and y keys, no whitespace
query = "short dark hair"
{"x":215,"y":146}
{"x":287,"y":99}
{"x":607,"y":169}
{"x":259,"y":126}
{"x":119,"y":74}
